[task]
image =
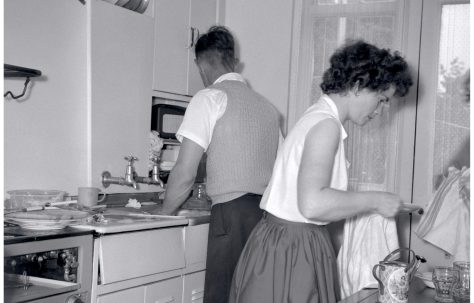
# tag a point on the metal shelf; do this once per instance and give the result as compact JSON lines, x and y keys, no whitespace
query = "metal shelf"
{"x":19,"y":71}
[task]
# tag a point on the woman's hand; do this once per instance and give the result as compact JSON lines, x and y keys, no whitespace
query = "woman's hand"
{"x":388,"y":204}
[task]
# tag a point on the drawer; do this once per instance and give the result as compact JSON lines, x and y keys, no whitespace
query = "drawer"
{"x":193,"y":289}
{"x":136,"y":254}
{"x":136,"y":295}
{"x":167,"y":291}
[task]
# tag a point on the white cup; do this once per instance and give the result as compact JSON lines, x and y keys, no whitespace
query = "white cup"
{"x":89,"y":196}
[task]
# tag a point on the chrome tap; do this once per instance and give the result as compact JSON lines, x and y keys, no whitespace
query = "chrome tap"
{"x":128,"y":180}
{"x":155,"y":175}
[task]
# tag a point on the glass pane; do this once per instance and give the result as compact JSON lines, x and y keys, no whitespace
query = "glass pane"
{"x":451,"y":146}
{"x":369,"y":148}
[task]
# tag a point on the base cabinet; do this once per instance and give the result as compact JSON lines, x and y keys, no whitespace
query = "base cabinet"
{"x":168,"y":266}
{"x":193,"y":287}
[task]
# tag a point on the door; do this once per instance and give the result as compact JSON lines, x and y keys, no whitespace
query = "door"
{"x":442,"y":127}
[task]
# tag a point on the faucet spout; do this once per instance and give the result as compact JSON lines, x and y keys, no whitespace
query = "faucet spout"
{"x":128,"y":180}
{"x":107,"y":179}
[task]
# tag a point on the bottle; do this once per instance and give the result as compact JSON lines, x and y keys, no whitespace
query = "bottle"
{"x":199,"y":200}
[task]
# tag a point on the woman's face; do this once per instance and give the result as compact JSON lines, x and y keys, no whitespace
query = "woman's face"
{"x":368,"y":104}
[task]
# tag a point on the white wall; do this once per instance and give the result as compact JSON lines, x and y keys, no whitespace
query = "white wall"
{"x":45,"y":129}
{"x":91,"y":108}
{"x":263,"y":31}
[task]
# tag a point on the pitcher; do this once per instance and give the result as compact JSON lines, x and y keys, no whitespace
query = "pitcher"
{"x":394,"y":277}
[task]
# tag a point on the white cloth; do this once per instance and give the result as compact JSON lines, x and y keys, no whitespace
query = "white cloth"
{"x":203,"y":111}
{"x":368,"y":239}
{"x":446,"y":221}
{"x":280,"y":197}
{"x":156,"y":144}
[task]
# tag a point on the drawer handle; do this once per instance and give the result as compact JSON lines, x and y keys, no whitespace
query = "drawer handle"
{"x":165,"y":300}
{"x":197,"y":294}
{"x":194,"y":298}
{"x":197,"y":291}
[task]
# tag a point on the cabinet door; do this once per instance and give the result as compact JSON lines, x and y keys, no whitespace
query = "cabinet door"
{"x":167,"y":291}
{"x":135,"y":295}
{"x":195,"y":245}
{"x":171,"y":46}
{"x":203,"y":15}
{"x":159,"y":250}
{"x":194,"y":287}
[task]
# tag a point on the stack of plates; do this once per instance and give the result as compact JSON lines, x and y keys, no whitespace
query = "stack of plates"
{"x":426,"y":277}
{"x":138,"y":6}
{"x":47,"y":219}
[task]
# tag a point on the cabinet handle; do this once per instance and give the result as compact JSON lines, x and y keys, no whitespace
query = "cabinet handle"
{"x":197,"y":36}
{"x":165,"y":300}
{"x":197,"y":294}
{"x":197,"y":291}
{"x":192,"y":37}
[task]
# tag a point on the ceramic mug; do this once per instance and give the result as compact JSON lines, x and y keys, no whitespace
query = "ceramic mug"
{"x":89,"y":196}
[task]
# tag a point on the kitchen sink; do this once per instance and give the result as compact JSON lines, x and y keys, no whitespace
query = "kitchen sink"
{"x":120,"y":219}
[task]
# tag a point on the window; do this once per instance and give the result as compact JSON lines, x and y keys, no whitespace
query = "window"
{"x":326,"y":25}
{"x":442,"y":124}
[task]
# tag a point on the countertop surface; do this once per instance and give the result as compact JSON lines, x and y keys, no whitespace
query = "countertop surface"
{"x":111,"y":219}
{"x":418,"y":293}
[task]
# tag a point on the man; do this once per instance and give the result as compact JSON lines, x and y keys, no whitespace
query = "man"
{"x":239,"y":130}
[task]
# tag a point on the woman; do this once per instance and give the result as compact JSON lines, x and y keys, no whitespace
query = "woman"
{"x":289,"y":256}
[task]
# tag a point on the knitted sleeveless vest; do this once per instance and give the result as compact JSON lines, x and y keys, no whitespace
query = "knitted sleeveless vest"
{"x":243,"y":146}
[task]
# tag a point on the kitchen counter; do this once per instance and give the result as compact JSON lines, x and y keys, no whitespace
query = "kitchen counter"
{"x":418,"y":293}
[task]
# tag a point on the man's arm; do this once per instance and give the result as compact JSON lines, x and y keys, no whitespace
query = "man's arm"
{"x":182,"y":176}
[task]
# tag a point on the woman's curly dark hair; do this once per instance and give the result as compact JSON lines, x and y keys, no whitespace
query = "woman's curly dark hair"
{"x":369,"y":66}
{"x":216,"y":43}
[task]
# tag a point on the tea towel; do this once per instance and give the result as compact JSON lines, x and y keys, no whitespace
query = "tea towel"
{"x":368,"y":239}
{"x":446,"y":221}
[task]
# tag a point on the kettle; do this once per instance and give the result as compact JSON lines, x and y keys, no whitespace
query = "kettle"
{"x":394,"y":276}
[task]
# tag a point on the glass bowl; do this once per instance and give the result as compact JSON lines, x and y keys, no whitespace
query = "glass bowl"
{"x":32,"y":197}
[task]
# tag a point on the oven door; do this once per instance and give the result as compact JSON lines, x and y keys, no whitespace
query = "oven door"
{"x":20,"y":288}
{"x":50,"y":270}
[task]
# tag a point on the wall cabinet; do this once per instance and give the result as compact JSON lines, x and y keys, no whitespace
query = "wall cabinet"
{"x":178,"y":24}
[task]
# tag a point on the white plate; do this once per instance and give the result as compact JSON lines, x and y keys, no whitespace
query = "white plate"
{"x":142,"y":8}
{"x":47,"y":219}
{"x":426,"y":277}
